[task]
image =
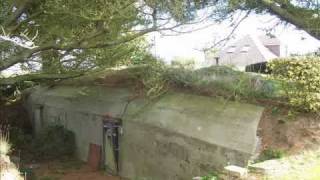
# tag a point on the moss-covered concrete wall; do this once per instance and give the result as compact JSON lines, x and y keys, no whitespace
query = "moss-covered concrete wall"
{"x":174,"y":137}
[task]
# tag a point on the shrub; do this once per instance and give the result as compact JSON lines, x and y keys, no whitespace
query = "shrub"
{"x":54,"y":142}
{"x":300,"y":80}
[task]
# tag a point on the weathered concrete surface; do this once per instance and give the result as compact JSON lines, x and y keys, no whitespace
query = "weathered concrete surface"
{"x":178,"y":136}
{"x":216,"y":121}
{"x":148,"y":151}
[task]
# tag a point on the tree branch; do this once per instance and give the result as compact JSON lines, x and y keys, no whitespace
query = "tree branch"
{"x":298,"y":21}
{"x":81,"y":44}
{"x":38,"y":77}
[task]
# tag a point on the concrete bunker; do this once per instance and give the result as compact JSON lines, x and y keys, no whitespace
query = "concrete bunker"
{"x":177,"y":136}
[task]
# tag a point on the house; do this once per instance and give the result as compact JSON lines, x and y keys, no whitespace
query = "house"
{"x":177,"y":136}
{"x":249,"y":50}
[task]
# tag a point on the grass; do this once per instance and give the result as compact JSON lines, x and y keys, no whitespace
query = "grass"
{"x":304,"y":166}
{"x":212,"y":176}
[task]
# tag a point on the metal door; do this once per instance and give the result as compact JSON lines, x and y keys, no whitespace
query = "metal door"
{"x":112,"y":128}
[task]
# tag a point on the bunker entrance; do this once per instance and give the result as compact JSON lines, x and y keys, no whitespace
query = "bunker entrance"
{"x":111,"y":132}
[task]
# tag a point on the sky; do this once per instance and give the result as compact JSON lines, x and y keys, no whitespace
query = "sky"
{"x":188,"y":45}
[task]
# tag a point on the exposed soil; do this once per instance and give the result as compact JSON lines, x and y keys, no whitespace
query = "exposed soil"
{"x":291,"y":132}
{"x":69,"y":170}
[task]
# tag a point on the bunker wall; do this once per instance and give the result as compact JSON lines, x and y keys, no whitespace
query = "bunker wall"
{"x":152,"y":152}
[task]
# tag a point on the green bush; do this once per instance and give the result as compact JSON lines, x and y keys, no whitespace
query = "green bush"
{"x":300,"y":80}
{"x":54,"y":142}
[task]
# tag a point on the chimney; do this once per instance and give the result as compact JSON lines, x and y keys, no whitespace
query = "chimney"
{"x":272,"y":43}
{"x":274,"y":48}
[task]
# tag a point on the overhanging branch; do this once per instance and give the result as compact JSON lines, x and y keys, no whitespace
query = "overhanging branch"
{"x":25,"y":54}
{"x":38,"y":77}
{"x":297,"y":21}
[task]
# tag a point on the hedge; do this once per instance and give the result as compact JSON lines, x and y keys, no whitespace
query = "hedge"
{"x":300,"y":80}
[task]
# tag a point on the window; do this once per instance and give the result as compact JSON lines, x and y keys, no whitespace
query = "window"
{"x":245,"y":48}
{"x":231,"y":49}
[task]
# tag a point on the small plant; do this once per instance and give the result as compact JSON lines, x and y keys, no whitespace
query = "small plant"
{"x":292,"y":115}
{"x":275,"y":111}
{"x":211,"y":176}
{"x":268,"y":154}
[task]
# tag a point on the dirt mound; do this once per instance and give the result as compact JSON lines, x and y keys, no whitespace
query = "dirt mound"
{"x":69,"y":170}
{"x":280,"y":129}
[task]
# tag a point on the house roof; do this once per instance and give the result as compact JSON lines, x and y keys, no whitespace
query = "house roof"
{"x":248,"y":50}
{"x":265,"y":52}
{"x":267,"y":40}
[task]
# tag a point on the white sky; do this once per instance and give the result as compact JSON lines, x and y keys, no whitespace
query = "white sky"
{"x":185,"y":45}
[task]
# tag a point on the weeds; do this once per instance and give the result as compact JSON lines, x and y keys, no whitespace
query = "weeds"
{"x":268,"y":154}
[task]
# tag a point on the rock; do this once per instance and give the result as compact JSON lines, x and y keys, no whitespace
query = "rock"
{"x":236,"y":171}
{"x":34,"y":166}
{"x":196,"y":178}
{"x":269,"y":167}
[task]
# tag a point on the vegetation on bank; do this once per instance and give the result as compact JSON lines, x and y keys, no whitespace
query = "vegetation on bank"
{"x":211,"y":81}
{"x":292,"y":82}
{"x":156,"y":78}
